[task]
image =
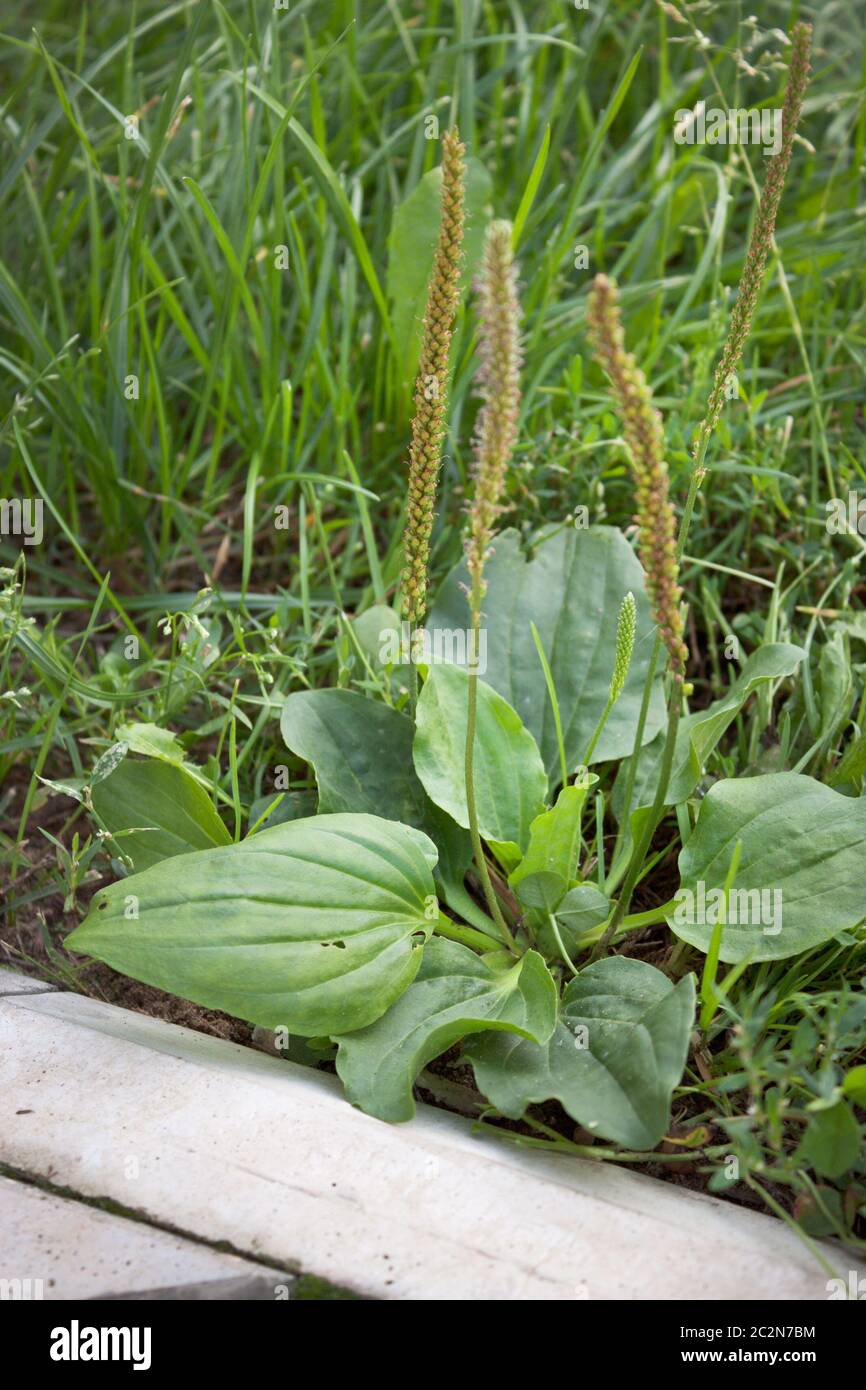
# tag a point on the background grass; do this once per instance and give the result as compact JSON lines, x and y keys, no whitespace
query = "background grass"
{"x":153,"y":258}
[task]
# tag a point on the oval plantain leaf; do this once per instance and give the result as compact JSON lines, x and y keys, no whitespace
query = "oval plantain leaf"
{"x":800,"y":875}
{"x":618,"y":1051}
{"x":509,"y":776}
{"x":360,"y":750}
{"x":316,"y":925}
{"x":453,"y":994}
{"x":572,"y":590}
{"x":167,"y":810}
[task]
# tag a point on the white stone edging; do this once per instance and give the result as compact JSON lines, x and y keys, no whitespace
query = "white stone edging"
{"x":229,"y":1145}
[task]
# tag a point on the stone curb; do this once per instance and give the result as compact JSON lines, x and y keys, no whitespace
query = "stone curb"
{"x":229,"y":1145}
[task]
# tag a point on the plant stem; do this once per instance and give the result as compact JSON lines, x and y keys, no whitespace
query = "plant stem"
{"x":596,"y":1151}
{"x":633,"y":921}
{"x":637,"y":748}
{"x":471,"y":719}
{"x":695,"y":479}
{"x":640,"y":849}
{"x":412,"y":680}
{"x":554,"y":704}
{"x":467,"y":936}
{"x":554,"y":927}
{"x":598,"y":732}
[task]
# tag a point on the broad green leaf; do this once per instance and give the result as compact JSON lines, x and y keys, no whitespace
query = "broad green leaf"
{"x":454,"y":993}
{"x":168,"y":810}
{"x":554,"y":842}
{"x":572,"y":590}
{"x":851,"y":766}
{"x":583,"y":908}
{"x":361,"y":752}
{"x":832,"y":1142}
{"x":316,"y":925}
{"x":509,"y":776}
{"x":411,"y":244}
{"x":541,"y":890}
{"x":800,"y":875}
{"x":699,"y":733}
{"x":618,"y":1051}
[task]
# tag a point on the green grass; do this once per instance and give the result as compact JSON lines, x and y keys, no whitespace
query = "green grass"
{"x":258,"y":388}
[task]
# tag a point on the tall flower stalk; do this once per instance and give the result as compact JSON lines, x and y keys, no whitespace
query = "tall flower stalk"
{"x":754,"y":268}
{"x":758,"y":250}
{"x":657,"y":546}
{"x":498,"y":380}
{"x":644,"y":435}
{"x":431,"y":382}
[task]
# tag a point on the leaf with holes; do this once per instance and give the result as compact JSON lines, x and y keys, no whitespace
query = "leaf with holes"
{"x":316,"y":925}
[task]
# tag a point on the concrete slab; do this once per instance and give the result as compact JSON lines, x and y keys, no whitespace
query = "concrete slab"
{"x":232,"y":1145}
{"x":13,"y":982}
{"x":55,"y":1248}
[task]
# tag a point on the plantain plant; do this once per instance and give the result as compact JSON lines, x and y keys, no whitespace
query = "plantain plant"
{"x":488,"y":807}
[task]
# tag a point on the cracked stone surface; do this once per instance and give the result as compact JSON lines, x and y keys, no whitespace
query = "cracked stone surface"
{"x":59,"y":1248}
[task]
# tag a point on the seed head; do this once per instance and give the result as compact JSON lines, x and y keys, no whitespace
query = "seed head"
{"x":642,"y":427}
{"x":431,"y":382}
{"x":499,"y":383}
{"x":626,"y":626}
{"x":762,"y":233}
